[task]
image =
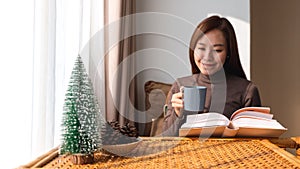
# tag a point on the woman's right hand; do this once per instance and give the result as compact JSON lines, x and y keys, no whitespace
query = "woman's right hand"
{"x":177,"y":103}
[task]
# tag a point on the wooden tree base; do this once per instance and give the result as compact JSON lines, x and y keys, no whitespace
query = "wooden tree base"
{"x":79,"y":159}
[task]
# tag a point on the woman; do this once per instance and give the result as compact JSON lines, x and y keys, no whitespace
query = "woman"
{"x":215,"y":63}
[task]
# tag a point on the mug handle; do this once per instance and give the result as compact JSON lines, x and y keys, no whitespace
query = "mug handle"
{"x":181,"y":89}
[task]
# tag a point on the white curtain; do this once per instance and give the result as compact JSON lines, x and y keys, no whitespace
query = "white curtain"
{"x":67,"y":28}
{"x":42,"y":39}
{"x":43,"y":76}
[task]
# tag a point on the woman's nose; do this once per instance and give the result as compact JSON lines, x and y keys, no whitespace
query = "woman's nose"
{"x":209,"y":55}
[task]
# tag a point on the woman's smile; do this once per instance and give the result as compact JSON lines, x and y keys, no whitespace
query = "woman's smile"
{"x":208,"y":64}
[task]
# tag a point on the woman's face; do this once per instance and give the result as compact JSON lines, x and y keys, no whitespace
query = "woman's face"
{"x":210,"y":52}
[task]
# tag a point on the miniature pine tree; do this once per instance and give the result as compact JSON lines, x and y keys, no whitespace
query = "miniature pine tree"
{"x":80,"y":128}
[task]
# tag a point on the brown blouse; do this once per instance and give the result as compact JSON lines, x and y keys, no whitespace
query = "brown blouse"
{"x":225,"y":94}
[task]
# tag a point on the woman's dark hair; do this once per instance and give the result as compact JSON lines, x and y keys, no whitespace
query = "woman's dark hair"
{"x":232,"y":64}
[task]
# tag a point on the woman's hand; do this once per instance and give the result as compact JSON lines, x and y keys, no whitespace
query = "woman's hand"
{"x":177,"y":103}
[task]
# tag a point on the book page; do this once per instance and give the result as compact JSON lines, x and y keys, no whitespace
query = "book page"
{"x":215,"y":131}
{"x":211,"y":116}
{"x":259,"y":132}
{"x":253,"y":114}
{"x":207,"y":123}
{"x":263,"y":112}
{"x":257,"y":123}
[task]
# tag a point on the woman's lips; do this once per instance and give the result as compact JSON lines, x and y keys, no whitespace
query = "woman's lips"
{"x":208,"y":64}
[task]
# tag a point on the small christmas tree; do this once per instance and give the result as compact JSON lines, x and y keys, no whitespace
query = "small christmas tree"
{"x":80,"y":126}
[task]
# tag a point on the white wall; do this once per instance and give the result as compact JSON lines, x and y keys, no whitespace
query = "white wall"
{"x":164,"y":29}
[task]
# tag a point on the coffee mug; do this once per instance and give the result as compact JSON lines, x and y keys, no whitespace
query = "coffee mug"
{"x":194,"y":98}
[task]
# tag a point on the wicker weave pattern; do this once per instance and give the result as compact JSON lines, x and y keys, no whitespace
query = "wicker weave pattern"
{"x":187,"y":153}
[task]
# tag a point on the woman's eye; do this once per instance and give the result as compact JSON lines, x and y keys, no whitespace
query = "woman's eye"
{"x":203,"y":49}
{"x":218,"y":51}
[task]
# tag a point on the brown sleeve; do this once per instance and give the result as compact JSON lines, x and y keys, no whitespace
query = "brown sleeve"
{"x":252,"y":97}
{"x":171,"y":121}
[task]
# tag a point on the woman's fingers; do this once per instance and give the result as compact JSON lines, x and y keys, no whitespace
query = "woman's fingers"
{"x":177,"y":102}
{"x":176,"y":96}
{"x":177,"y":105}
{"x":177,"y":99}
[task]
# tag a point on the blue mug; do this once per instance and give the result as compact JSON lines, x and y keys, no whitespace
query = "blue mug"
{"x":194,"y":98}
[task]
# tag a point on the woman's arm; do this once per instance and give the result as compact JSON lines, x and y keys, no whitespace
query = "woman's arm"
{"x":252,"y":97}
{"x":172,"y":121}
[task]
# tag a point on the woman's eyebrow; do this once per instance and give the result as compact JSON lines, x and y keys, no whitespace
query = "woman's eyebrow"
{"x":215,"y":45}
{"x":201,"y":44}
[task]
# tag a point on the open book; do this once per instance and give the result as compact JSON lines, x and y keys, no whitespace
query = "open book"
{"x":245,"y":122}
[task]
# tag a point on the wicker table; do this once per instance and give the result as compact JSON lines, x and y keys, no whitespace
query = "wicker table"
{"x":186,"y":153}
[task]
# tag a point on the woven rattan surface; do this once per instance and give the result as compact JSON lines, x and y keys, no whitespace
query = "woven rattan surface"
{"x":191,"y":153}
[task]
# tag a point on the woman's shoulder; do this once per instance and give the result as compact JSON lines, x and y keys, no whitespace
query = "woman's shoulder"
{"x":233,"y":80}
